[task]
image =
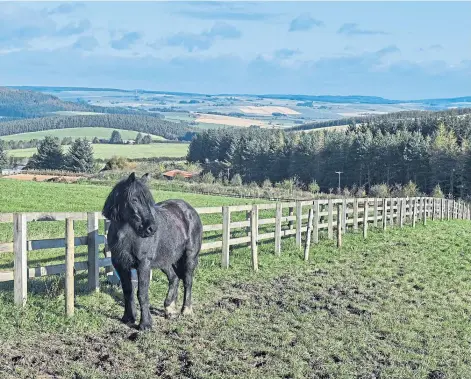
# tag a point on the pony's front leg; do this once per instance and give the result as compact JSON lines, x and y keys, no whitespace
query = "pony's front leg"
{"x":143,"y":277}
{"x":126,"y":284}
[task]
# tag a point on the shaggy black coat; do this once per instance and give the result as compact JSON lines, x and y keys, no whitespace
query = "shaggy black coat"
{"x":144,"y":235}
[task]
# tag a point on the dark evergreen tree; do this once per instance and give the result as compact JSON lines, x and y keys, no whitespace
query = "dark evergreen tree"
{"x":49,"y":155}
{"x":96,"y":140}
{"x":116,"y":137}
{"x":147,"y":139}
{"x":138,"y":139}
{"x":3,"y":155}
{"x":80,"y":156}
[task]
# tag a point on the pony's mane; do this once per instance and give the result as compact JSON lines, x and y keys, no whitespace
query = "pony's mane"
{"x":122,"y":193}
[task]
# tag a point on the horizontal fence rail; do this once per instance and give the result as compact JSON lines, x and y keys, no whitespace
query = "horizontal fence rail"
{"x":239,"y":225}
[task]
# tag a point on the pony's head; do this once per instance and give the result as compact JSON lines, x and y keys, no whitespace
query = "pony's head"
{"x":131,"y":201}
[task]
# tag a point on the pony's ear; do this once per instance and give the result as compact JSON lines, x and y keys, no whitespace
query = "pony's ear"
{"x":146,"y":177}
{"x":132,"y":177}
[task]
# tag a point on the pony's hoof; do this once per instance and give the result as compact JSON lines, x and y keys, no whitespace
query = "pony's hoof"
{"x":145,"y":326}
{"x":187,"y":311}
{"x":171,"y":311}
{"x":128,"y":320}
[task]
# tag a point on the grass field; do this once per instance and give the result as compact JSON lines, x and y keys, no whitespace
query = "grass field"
{"x":105,"y":151}
{"x":89,"y":133}
{"x":228,"y":120}
{"x":395,"y":306}
{"x":267,"y":110}
{"x":21,"y":196}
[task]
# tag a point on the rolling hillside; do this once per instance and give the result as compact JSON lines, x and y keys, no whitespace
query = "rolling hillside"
{"x":16,"y":103}
{"x":138,"y":123}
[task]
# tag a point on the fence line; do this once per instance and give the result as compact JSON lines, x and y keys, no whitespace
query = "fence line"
{"x":321,"y":216}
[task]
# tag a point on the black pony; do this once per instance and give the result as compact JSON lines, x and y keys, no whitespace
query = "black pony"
{"x":144,"y":235}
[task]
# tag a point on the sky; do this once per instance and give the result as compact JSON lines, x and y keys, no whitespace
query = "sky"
{"x":397,"y":50}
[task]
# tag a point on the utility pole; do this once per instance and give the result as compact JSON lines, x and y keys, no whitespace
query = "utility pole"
{"x":339,"y":172}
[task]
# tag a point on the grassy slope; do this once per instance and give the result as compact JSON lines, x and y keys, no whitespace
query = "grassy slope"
{"x":63,"y":197}
{"x":396,"y":306}
{"x":89,"y":133}
{"x":104,"y":151}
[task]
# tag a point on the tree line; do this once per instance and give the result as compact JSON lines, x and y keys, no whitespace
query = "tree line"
{"x":430,"y":156}
{"x":425,"y":122}
{"x":138,"y":123}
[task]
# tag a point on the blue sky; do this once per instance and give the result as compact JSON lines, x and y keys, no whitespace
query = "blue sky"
{"x":399,"y":50}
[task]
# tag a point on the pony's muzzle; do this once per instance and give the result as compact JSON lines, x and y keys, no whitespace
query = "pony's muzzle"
{"x":149,"y":230}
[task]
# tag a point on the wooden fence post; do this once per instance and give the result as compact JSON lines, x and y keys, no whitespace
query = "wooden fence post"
{"x":385,"y":213}
{"x":291,"y":213}
{"x":93,"y":257}
{"x":247,"y":218}
{"x":330,"y":220}
{"x":425,"y":210}
{"x":69,"y":266}
{"x":355,"y":214}
{"x":299,"y":223}
{"x":391,"y":212}
{"x":254,"y":236}
{"x":308,"y":235}
{"x":344,"y":216}
{"x":434,"y":209}
{"x":419,"y":209}
{"x":400,"y":210}
{"x":447,"y":202}
{"x":226,"y":236}
{"x":375,"y":212}
{"x":440,"y":210}
{"x":409,"y":210}
{"x":278,"y":216}
{"x":365,"y":218}
{"x":20,"y":273}
{"x":339,"y":226}
{"x":315,"y":230}
{"x":453,"y":207}
{"x":414,"y":212}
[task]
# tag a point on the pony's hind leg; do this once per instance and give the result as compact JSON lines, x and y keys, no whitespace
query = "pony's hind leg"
{"x":170,"y":302}
{"x":129,"y":316}
{"x":190,"y":265}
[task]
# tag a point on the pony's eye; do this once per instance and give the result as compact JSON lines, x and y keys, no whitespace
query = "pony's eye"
{"x":134,"y":200}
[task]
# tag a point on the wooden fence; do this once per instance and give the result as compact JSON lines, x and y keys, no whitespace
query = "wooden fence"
{"x":298,"y":218}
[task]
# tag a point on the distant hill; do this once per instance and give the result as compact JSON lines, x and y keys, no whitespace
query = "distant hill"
{"x":19,"y":103}
{"x":351,"y":99}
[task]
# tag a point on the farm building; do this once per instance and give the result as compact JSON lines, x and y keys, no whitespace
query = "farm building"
{"x":170,"y":175}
